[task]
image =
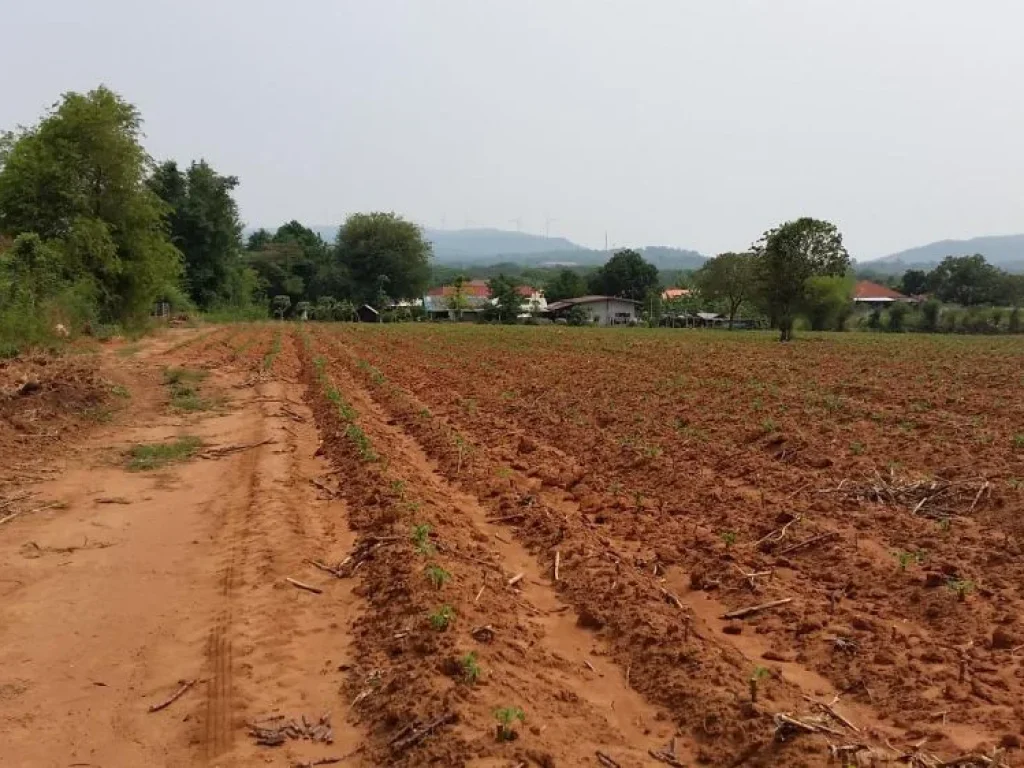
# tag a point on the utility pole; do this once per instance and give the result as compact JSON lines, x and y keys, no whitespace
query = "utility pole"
{"x":518,"y":221}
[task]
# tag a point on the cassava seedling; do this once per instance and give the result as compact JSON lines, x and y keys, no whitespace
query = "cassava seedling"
{"x":729,"y":538}
{"x":421,"y":539}
{"x":507,"y":718}
{"x":438,"y":576}
{"x":442,"y":617}
{"x":470,"y":668}
{"x":960,"y":587}
{"x":905,"y":559}
{"x":760,"y":673}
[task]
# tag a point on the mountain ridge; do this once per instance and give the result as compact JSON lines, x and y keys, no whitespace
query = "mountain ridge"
{"x":1003,"y":251}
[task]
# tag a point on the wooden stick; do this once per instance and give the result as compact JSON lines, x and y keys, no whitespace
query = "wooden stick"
{"x":506,"y":517}
{"x":317,"y":564}
{"x":808,"y":542}
{"x":606,"y":761}
{"x":558,"y":560}
{"x":780,"y":531}
{"x":666,"y":758}
{"x":751,"y":610}
{"x":177,"y":695}
{"x":675,"y":600}
{"x":515,"y":579}
{"x":28,"y":511}
{"x":301,"y":585}
{"x":477,"y":598}
{"x":831,"y":710}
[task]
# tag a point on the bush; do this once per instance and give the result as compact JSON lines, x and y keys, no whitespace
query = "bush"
{"x":875,"y":319}
{"x":578,"y":315}
{"x":1013,"y":324}
{"x":931,"y":312}
{"x":950,"y":320}
{"x":897,"y":317}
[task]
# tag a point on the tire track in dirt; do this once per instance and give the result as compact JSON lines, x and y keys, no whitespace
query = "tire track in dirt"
{"x":271,"y":650}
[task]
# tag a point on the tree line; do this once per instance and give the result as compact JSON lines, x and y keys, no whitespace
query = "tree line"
{"x":94,"y":233}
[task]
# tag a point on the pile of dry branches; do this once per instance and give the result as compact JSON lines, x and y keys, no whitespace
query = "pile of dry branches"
{"x":931,"y":497}
{"x":274,"y":731}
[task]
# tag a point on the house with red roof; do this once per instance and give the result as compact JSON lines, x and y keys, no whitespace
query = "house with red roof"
{"x":476,"y":298}
{"x":876,"y":294}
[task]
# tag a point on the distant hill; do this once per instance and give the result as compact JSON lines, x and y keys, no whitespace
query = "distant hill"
{"x":485,"y":247}
{"x":1004,"y":251}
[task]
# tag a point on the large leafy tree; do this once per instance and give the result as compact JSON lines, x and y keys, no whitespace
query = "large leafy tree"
{"x":625,"y":274}
{"x":78,"y":180}
{"x":787,"y":257}
{"x":376,"y":246}
{"x":295,"y":261}
{"x":914,"y":282}
{"x":967,"y":280}
{"x":205,"y":227}
{"x":730,"y":278}
{"x":506,"y":298}
{"x":565,"y":285}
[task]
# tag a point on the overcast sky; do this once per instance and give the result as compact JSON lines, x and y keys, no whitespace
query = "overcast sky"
{"x":674,"y":122}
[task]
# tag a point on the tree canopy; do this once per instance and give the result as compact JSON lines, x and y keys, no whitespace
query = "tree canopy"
{"x":787,"y":257}
{"x":565,"y":285}
{"x":78,"y":181}
{"x":205,"y":227}
{"x":506,"y":298}
{"x":730,"y":278}
{"x":372,"y":246}
{"x":627,"y":275}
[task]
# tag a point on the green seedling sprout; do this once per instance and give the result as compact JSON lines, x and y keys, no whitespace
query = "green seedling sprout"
{"x":438,"y":576}
{"x":470,"y":668}
{"x":442,"y":617}
{"x":760,"y":673}
{"x":961,"y":587}
{"x":421,"y":539}
{"x":507,"y":718}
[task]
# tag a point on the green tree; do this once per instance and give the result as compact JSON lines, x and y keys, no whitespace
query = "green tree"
{"x":825,"y":300}
{"x":205,"y":227}
{"x":730,"y":278}
{"x":966,"y":280}
{"x":565,"y":285}
{"x":457,"y":302}
{"x":506,"y":298}
{"x":625,"y":274}
{"x":914,"y":282}
{"x":787,"y":257}
{"x":78,"y":180}
{"x":371,"y":245}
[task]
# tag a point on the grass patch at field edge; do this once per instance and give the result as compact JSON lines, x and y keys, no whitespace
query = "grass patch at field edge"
{"x":145,"y":456}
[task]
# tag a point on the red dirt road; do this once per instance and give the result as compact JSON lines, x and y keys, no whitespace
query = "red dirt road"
{"x":141,"y":580}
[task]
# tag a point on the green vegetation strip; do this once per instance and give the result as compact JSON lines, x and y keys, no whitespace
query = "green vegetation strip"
{"x":346,"y":412}
{"x":157,"y":455}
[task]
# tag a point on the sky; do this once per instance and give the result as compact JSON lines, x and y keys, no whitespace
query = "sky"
{"x":659,"y":122}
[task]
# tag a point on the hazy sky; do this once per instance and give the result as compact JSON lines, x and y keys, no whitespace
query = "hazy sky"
{"x":675,"y":122}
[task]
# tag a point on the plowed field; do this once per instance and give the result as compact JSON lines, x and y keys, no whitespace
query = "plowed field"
{"x":561,"y":547}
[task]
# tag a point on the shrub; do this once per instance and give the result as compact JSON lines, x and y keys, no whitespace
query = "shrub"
{"x":578,"y":315}
{"x":897,"y":317}
{"x":931,"y":312}
{"x":1013,"y":324}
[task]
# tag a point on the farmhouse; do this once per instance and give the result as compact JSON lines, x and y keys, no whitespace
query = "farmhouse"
{"x":671,"y":294}
{"x":603,"y":310}
{"x":476,"y":297}
{"x":875,"y":294}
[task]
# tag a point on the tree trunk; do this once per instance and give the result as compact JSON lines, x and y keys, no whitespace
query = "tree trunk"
{"x":785,"y":328}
